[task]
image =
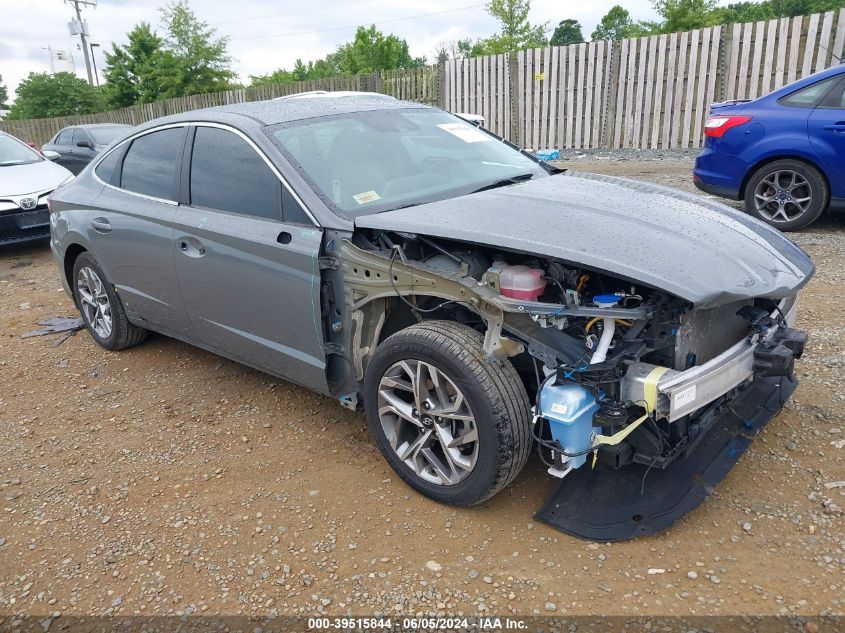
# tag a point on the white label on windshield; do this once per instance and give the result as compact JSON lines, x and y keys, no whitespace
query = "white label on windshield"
{"x":467,"y":133}
{"x":367,"y":196}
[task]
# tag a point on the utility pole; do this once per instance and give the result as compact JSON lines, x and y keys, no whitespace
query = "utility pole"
{"x":82,"y":35}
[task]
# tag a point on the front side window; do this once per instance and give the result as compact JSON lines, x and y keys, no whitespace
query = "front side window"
{"x":368,"y":162}
{"x":152,"y":162}
{"x":80,"y":135}
{"x":810,"y":95}
{"x":13,"y":152}
{"x":227,"y":174}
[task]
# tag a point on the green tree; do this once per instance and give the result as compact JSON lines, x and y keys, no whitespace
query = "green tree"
{"x":371,"y":51}
{"x":4,"y":94}
{"x":41,"y":96}
{"x":198,"y":60}
{"x":745,"y":12}
{"x":130,"y":69}
{"x":280,"y":76}
{"x":467,"y":47}
{"x":517,"y":32}
{"x":686,"y":15}
{"x":567,"y":32}
{"x":618,"y":25}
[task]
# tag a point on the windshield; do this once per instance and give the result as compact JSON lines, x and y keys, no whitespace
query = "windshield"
{"x":13,"y":152}
{"x":105,"y":135}
{"x":368,"y":162}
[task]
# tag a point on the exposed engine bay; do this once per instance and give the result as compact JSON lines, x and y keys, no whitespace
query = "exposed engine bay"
{"x":619,"y":373}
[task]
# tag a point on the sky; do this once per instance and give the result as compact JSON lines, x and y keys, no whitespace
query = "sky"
{"x":269,"y":34}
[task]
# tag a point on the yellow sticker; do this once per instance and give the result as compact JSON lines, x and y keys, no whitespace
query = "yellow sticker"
{"x":367,"y":196}
{"x":539,"y":76}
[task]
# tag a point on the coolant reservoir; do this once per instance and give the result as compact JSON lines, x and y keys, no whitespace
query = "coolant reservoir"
{"x":520,"y":282}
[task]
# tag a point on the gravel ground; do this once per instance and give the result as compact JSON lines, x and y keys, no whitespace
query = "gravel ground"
{"x":165,"y":480}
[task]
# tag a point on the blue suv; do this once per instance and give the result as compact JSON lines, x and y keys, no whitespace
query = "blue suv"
{"x":783,"y":154}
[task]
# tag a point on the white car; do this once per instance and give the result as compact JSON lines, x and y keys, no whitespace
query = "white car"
{"x":26,"y":179}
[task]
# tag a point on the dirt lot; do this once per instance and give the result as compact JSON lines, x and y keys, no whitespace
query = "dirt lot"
{"x":166,"y":480}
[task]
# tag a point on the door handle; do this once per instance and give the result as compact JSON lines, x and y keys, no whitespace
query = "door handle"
{"x":284,"y":238}
{"x":837,"y":127}
{"x":190,"y":247}
{"x":101,"y":225}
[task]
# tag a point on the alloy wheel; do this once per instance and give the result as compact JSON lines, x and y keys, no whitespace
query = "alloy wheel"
{"x":94,"y":300}
{"x":783,"y":196}
{"x":428,"y":422}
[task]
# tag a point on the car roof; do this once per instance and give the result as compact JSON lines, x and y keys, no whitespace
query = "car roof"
{"x":833,"y":71}
{"x":91,"y":126}
{"x":263,"y":113}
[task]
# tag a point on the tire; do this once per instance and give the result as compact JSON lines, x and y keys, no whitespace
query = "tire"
{"x":494,"y":399}
{"x":91,"y":287}
{"x":769,"y":194}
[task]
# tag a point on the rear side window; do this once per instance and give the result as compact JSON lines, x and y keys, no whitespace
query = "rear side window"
{"x":107,"y":169}
{"x":835,"y":99}
{"x":65,"y":137}
{"x":809,"y":96}
{"x":227,"y":174}
{"x":152,"y":163}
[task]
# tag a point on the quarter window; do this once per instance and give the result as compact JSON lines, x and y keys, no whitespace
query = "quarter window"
{"x":107,"y":168}
{"x":809,"y":96}
{"x":152,"y":163}
{"x":227,"y":174}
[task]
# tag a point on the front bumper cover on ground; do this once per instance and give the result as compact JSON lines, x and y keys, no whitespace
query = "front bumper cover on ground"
{"x":606,"y":504}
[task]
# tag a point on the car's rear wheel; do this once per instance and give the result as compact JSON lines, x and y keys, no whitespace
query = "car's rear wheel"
{"x":788,"y":194}
{"x":453,"y":424}
{"x":101,"y":308}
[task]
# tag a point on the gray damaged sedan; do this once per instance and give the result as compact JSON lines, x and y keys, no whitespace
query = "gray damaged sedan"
{"x":481,"y":305}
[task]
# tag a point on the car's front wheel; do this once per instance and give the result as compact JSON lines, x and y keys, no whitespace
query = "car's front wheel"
{"x":788,"y":194}
{"x":452,"y":423}
{"x":101,"y":308}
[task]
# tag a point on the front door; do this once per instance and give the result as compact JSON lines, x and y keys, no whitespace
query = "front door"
{"x":826,"y":127}
{"x":247,"y":269}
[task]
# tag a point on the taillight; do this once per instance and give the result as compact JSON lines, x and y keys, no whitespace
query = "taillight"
{"x":716,"y":126}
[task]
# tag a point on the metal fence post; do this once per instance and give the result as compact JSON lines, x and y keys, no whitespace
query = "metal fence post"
{"x":611,"y":92}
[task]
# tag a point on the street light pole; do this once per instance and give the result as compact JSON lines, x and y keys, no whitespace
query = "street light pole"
{"x":94,"y":63}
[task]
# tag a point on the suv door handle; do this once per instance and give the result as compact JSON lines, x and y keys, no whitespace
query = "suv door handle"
{"x":838,"y":127}
{"x":101,"y":225}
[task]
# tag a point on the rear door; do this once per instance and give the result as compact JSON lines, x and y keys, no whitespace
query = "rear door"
{"x":826,"y":128}
{"x":131,"y":227}
{"x":247,"y":259}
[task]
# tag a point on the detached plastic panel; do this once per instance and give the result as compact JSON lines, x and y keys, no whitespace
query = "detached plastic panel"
{"x":617,"y":505}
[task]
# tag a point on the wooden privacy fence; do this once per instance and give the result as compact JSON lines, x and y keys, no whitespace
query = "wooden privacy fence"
{"x":418,"y":84}
{"x":648,"y":92}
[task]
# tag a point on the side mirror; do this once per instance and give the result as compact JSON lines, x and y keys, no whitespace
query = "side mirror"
{"x":50,"y":154}
{"x":84,"y":144}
